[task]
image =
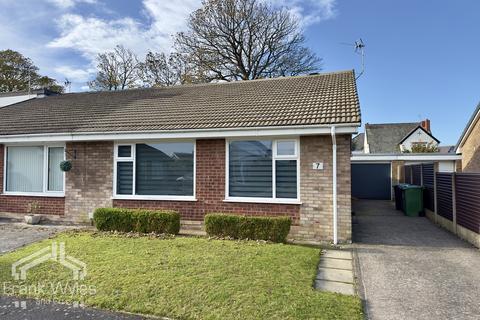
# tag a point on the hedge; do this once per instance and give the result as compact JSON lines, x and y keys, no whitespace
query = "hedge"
{"x":137,"y":220}
{"x":273,"y":229}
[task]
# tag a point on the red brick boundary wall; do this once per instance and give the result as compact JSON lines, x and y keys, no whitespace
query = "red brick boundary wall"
{"x":20,"y":204}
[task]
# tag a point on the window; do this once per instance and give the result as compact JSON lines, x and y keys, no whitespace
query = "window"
{"x":155,"y":170}
{"x":34,"y":170}
{"x":263,"y":169}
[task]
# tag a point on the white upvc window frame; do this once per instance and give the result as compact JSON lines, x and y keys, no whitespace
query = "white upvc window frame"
{"x":45,"y":192}
{"x":132,"y":159}
{"x":275,"y":157}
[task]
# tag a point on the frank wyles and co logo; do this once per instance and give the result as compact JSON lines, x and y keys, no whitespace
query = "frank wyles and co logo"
{"x":55,"y":252}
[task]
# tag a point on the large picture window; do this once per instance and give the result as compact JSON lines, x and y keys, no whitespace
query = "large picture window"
{"x":34,"y":170}
{"x":263,"y":170}
{"x":155,"y":170}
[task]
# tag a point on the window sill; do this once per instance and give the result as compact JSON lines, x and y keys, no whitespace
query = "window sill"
{"x":154,"y":198}
{"x":264,"y":200}
{"x":34,"y":194}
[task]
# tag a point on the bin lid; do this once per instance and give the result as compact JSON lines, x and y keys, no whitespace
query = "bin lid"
{"x":411,"y":186}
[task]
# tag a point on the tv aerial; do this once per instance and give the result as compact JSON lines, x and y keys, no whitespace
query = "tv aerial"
{"x":67,"y":84}
{"x":359,"y":47}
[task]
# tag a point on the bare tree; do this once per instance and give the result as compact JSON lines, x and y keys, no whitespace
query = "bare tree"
{"x":159,"y":70}
{"x":162,"y":70}
{"x":117,"y":70}
{"x":245,"y":39}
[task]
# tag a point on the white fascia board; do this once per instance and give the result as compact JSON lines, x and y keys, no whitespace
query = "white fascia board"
{"x":467,"y":132}
{"x":349,"y":128}
{"x":406,"y":157}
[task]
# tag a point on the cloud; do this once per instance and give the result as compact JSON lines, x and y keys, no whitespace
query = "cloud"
{"x":68,"y":47}
{"x":310,"y":12}
{"x":65,"y":4}
{"x":75,"y":75}
{"x":92,"y":35}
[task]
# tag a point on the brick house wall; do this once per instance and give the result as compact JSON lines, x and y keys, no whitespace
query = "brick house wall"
{"x":312,"y":219}
{"x":210,"y":191}
{"x":316,"y":213}
{"x":89,"y":184}
{"x":21,"y":204}
{"x":471,"y":151}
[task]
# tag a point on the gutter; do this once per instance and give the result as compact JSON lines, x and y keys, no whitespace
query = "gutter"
{"x":347,"y":128}
{"x":334,"y":172}
{"x":406,"y":157}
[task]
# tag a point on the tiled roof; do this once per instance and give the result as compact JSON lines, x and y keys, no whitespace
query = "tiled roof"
{"x":329,"y":98}
{"x":385,"y":138}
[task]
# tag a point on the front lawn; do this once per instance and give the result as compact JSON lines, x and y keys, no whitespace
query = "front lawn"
{"x":187,"y":278}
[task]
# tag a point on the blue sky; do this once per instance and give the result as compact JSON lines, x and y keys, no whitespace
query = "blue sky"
{"x":422,"y":56}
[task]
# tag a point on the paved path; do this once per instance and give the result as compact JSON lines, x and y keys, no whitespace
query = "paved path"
{"x":14,"y":235}
{"x":335,"y":272}
{"x":410,"y":268}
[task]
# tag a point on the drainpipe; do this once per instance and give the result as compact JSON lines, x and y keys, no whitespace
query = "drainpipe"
{"x":334,"y":171}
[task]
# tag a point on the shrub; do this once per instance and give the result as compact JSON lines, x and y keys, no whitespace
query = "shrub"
{"x":273,"y":229}
{"x":137,"y":220}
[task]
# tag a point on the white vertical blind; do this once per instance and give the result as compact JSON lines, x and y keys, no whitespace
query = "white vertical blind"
{"x":25,"y":169}
{"x":55,"y":175}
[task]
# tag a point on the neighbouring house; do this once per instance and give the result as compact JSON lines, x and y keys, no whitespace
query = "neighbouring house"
{"x":8,"y":98}
{"x":394,"y":137}
{"x":469,"y":144}
{"x":264,"y":147}
{"x":381,"y":153}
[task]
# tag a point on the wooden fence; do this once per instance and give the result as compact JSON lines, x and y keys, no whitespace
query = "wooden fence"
{"x":445,"y":195}
{"x":453,"y":199}
{"x":467,"y":200}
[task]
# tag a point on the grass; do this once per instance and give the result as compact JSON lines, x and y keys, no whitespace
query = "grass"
{"x":188,"y":278}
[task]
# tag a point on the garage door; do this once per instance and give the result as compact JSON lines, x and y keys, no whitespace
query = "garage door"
{"x":371,"y":181}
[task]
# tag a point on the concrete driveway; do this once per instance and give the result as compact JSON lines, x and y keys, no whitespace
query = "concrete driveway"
{"x":409,"y":268}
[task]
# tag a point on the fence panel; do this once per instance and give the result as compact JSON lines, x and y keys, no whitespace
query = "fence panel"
{"x":467,"y":195}
{"x":428,"y":183}
{"x":417,"y":174}
{"x":444,"y":195}
{"x":408,"y":174}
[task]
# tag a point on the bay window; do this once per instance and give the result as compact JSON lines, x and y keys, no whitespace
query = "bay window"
{"x":155,"y":170}
{"x":34,"y":170}
{"x":263,"y":170}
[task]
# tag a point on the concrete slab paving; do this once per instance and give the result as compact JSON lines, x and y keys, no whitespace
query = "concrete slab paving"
{"x":14,"y":235}
{"x":411,"y":269}
{"x":335,"y":263}
{"x":335,"y":275}
{"x":333,"y":286}
{"x":337,"y":254}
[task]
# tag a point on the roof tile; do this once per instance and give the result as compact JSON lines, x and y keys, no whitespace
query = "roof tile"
{"x":305,"y":100}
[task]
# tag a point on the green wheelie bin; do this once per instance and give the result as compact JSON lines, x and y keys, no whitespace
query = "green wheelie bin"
{"x":412,"y":200}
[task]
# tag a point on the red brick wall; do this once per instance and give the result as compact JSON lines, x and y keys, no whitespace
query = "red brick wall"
{"x":20,"y":204}
{"x":210,"y":191}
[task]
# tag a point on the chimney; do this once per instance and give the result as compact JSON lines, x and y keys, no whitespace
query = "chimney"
{"x":426,"y":125}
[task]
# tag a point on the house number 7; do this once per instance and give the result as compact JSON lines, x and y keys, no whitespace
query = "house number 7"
{"x":317,"y":166}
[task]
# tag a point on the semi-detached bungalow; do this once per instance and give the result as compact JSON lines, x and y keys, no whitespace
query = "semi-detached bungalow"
{"x":265,"y":147}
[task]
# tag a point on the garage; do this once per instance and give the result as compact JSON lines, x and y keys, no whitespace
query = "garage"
{"x":371,"y":181}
